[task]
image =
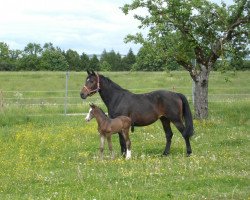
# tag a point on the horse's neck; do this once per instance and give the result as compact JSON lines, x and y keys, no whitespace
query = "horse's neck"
{"x":100,"y":117}
{"x":109,"y":92}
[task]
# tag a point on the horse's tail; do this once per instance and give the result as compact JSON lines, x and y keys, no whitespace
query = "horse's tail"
{"x":189,"y":128}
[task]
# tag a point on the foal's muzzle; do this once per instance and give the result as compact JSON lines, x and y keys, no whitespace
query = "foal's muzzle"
{"x":87,"y":119}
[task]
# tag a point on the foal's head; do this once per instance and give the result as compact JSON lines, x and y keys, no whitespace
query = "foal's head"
{"x":90,"y":115}
{"x":94,"y":112}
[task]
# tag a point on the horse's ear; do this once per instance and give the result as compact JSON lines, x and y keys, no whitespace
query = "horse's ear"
{"x":92,"y":71}
{"x":88,"y":72}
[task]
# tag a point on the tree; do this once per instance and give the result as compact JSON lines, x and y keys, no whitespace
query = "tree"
{"x":113,"y":59}
{"x":85,"y":61}
{"x":4,"y":57}
{"x":105,"y":66}
{"x":29,"y":63}
{"x":193,"y":30}
{"x":128,"y":61}
{"x":73,"y":60}
{"x":48,"y":46}
{"x":33,"y":49}
{"x":53,"y":60}
{"x":149,"y":58}
{"x":94,"y":63}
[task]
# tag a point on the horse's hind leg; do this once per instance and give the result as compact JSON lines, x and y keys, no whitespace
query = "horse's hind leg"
{"x":122,"y":143}
{"x":179,"y":125}
{"x":168,"y":132}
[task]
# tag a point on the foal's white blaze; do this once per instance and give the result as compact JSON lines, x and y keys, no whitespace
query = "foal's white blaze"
{"x":128,"y":154}
{"x":88,"y":117}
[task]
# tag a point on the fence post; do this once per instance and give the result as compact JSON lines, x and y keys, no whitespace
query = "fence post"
{"x":66,"y":94}
{"x":1,"y":100}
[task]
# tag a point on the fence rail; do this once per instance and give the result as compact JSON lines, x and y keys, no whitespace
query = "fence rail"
{"x":75,"y":100}
{"x":64,"y":100}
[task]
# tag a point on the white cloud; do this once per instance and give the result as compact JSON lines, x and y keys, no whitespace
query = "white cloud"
{"x":88,"y":26}
{"x":82,"y":25}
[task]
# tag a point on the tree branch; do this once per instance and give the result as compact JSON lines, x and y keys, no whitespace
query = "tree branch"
{"x":189,"y":67}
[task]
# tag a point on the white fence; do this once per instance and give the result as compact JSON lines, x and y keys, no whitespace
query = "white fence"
{"x":65,"y":101}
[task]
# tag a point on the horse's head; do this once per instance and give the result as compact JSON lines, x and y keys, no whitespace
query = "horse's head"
{"x":90,"y":115}
{"x":92,"y":85}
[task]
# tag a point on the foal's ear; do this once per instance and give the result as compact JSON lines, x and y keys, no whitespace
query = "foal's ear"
{"x":88,"y":72}
{"x":92,"y":71}
{"x":92,"y":105}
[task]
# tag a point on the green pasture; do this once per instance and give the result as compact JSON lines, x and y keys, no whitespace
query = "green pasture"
{"x":46,"y":155}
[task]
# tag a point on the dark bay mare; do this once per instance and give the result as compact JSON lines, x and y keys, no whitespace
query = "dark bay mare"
{"x":107,"y":126}
{"x":143,"y":109}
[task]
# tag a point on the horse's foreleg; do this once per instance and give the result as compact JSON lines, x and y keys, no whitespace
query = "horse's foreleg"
{"x":128,"y":143}
{"x":110,"y":146}
{"x":102,"y":141}
{"x":168,"y":132}
{"x":181,"y":128}
{"x":122,"y":143}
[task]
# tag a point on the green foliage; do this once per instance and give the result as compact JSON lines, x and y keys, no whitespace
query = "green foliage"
{"x":113,"y":59}
{"x":7,"y":57}
{"x":94,"y":63}
{"x":151,"y":57}
{"x":33,"y":49}
{"x":29,"y":62}
{"x":35,"y":58}
{"x":53,"y":60}
{"x":73,"y":60}
{"x":185,"y":30}
{"x":105,"y":66}
{"x":128,"y":61}
{"x":85,"y":62}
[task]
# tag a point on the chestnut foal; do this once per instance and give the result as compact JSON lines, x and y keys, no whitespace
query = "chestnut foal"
{"x":107,"y":127}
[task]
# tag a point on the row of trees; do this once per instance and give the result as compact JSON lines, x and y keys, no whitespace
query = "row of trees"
{"x":35,"y":57}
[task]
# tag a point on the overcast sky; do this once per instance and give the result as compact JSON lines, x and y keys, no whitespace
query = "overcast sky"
{"x":88,"y":26}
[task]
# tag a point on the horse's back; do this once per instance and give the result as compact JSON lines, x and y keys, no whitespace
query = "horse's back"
{"x":158,"y":103}
{"x":144,"y":109}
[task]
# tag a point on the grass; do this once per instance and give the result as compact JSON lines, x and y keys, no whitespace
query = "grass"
{"x":57,"y":157}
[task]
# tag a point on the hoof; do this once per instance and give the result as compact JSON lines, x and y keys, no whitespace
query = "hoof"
{"x":165,"y":154}
{"x":123,"y":155}
{"x":189,"y":154}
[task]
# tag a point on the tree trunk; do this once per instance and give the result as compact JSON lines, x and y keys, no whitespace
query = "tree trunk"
{"x":200,"y":94}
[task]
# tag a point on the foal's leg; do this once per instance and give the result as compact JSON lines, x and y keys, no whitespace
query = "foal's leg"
{"x":102,"y":141}
{"x":168,"y":132}
{"x":110,"y":146}
{"x":179,"y":125}
{"x":128,"y":143}
{"x":122,"y":143}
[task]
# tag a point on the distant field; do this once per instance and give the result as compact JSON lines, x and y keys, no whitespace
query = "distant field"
{"x":44,"y":92}
{"x":45,"y":155}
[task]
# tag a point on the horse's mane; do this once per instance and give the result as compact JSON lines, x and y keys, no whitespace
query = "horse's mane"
{"x":111,"y":83}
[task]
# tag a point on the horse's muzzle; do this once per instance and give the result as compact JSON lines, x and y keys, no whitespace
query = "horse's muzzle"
{"x":83,"y":96}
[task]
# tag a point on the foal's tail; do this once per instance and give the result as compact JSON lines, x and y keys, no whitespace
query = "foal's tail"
{"x":189,"y":128}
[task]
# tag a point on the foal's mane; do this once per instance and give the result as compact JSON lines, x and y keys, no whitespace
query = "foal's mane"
{"x":101,"y":111}
{"x":111,"y":83}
